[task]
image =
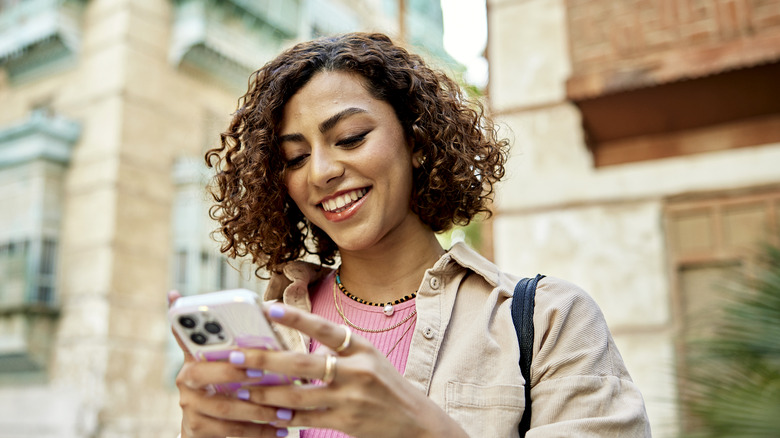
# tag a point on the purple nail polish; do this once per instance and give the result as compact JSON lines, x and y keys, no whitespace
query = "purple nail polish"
{"x":282,"y":432}
{"x":235,"y":386}
{"x":253,"y":373}
{"x":284,"y":414}
{"x":243,"y":394}
{"x":236,"y":357}
{"x":276,"y":311}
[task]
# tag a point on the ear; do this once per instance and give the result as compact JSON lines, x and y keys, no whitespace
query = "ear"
{"x":418,"y":159}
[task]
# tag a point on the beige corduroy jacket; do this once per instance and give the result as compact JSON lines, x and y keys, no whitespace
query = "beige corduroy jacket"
{"x":464,"y":352}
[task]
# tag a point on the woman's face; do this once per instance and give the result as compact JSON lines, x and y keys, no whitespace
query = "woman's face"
{"x":348,"y":164}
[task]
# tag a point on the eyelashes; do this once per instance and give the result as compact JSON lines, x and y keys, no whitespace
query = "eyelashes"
{"x":352,"y":141}
{"x":295,"y":163}
{"x":346,"y":143}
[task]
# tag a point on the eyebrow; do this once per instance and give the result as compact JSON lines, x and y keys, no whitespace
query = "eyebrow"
{"x":291,"y":137}
{"x":331,"y":121}
{"x":326,"y":125}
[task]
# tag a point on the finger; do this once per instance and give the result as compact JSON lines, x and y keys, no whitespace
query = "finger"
{"x":237,"y":408}
{"x":288,"y":363}
{"x":302,"y":405}
{"x":297,"y":398}
{"x":202,"y":425}
{"x":323,"y":418}
{"x":329,"y":334}
{"x":173,"y":295}
{"x":199,"y":375}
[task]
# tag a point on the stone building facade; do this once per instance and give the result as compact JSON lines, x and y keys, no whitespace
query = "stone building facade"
{"x":107,"y":108}
{"x":646,"y":160}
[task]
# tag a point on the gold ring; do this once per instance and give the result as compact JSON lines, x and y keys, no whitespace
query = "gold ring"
{"x":347,"y":339}
{"x":330,"y":369}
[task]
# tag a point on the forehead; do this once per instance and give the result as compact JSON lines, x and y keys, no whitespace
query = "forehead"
{"x":328,"y":92}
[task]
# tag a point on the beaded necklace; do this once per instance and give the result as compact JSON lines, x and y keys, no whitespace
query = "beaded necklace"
{"x":388,"y":308}
{"x":362,"y":329}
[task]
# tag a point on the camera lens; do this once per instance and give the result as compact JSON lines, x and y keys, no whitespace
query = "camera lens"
{"x":212,"y":327}
{"x":199,"y":338}
{"x":187,"y":322}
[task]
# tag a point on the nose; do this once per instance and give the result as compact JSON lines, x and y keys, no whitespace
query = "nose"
{"x":325,"y":166}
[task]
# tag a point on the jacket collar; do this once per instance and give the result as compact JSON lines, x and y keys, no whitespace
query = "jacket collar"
{"x":292,"y":286}
{"x":461,"y":256}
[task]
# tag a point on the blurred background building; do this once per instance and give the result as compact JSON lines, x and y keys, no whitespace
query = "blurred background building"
{"x":646,"y":161}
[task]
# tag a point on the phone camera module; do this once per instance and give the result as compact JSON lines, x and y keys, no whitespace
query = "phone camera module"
{"x":212,"y":327}
{"x":187,"y":322}
{"x":199,"y":338}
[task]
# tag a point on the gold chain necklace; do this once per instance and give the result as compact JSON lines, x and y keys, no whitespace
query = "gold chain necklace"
{"x":399,"y":340}
{"x":351,"y":324}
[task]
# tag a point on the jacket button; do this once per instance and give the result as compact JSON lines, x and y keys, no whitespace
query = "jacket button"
{"x":434,"y":283}
{"x":428,"y":333}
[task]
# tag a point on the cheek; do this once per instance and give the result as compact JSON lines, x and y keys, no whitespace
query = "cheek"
{"x":294,"y":188}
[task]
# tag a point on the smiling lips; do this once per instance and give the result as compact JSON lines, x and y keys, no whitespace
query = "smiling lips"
{"x":344,"y":201}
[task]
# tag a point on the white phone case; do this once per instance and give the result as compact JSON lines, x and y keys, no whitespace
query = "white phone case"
{"x":214,"y":324}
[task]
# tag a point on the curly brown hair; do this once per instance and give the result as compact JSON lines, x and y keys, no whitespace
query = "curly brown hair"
{"x":463,"y":154}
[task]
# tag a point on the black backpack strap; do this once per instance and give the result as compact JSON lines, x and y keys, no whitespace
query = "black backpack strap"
{"x":523,"y":317}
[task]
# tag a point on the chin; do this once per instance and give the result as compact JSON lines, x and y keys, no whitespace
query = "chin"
{"x":352,"y":246}
{"x":358,"y":243}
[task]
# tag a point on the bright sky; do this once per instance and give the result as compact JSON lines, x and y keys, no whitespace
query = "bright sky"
{"x":465,"y":36}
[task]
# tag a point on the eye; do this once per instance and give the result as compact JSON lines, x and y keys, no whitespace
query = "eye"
{"x":295,"y":162}
{"x":352,"y":141}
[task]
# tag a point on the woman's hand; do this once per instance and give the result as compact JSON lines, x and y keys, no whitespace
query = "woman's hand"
{"x":365,"y":396}
{"x":206,"y":413}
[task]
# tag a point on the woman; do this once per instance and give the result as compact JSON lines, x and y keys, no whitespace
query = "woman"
{"x":351,"y":150}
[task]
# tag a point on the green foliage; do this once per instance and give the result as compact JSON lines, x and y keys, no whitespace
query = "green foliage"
{"x":471,"y":234}
{"x":732,"y":380}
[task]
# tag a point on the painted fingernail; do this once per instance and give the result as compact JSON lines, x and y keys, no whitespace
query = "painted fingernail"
{"x":276,"y":311}
{"x":235,"y":386}
{"x":243,"y":394}
{"x":282,"y":432}
{"x":253,"y":373}
{"x":284,"y":414}
{"x":237,"y":357}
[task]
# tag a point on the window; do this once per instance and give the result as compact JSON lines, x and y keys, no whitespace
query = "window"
{"x":709,"y":238}
{"x":28,"y":275}
{"x":14,"y":272}
{"x":32,"y":173}
{"x":198,"y":265}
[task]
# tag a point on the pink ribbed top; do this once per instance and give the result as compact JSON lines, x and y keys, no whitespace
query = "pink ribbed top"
{"x":365,"y":316}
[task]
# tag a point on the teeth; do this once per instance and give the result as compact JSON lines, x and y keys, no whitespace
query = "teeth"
{"x":343,"y":200}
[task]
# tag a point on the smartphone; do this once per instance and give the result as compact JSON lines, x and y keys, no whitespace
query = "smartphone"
{"x":212,"y":325}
